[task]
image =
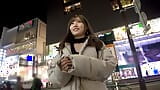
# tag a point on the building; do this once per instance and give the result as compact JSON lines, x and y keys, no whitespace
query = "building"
{"x":24,"y":47}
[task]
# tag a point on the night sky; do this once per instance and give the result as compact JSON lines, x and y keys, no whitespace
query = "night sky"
{"x":15,"y":13}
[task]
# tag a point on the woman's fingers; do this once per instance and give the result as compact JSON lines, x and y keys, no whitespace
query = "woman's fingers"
{"x":63,"y":62}
{"x":66,"y":64}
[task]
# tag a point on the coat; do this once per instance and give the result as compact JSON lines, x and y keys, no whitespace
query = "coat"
{"x":18,"y":86}
{"x":36,"y":84}
{"x":89,"y":70}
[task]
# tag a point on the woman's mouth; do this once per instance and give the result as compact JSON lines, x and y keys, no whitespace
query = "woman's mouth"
{"x":75,"y":29}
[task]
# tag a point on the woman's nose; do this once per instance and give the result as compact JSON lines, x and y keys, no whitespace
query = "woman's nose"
{"x":75,"y":24}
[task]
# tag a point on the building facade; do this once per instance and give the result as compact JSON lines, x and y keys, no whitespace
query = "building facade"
{"x":24,"y":47}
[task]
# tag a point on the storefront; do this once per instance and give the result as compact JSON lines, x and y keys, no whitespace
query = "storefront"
{"x":116,"y":39}
{"x":10,"y":66}
{"x":25,"y":49}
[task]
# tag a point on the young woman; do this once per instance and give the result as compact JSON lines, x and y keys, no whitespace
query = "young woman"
{"x":83,"y":62}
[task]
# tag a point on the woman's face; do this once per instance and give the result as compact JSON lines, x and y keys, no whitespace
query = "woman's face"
{"x":77,"y":28}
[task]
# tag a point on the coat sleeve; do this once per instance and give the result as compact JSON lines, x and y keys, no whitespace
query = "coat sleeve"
{"x":56,"y":76}
{"x":93,"y":68}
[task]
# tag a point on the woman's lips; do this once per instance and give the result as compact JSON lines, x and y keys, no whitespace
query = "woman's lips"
{"x":75,"y":29}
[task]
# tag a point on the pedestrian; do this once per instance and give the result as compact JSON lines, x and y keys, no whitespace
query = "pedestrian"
{"x":36,"y":84}
{"x":19,"y":85}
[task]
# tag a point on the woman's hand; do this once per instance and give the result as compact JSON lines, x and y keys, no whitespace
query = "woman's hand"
{"x":65,"y":64}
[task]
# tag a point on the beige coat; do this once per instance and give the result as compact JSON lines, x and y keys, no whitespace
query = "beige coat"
{"x":89,"y":71}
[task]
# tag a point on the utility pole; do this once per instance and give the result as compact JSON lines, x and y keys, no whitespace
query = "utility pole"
{"x":137,"y":6}
{"x":33,"y":66}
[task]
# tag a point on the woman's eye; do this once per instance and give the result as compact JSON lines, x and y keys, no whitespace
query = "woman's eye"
{"x":79,"y":21}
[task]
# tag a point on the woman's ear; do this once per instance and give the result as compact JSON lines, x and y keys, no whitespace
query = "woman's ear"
{"x":86,"y":33}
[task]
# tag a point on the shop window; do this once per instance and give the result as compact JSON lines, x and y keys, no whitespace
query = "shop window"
{"x":107,"y":37}
{"x":71,"y":5}
{"x":125,"y":4}
{"x":29,"y":35}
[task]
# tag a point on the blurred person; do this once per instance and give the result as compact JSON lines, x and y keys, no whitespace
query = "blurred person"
{"x":7,"y":86}
{"x":36,"y":84}
{"x":130,"y":59}
{"x":83,"y":62}
{"x":19,"y":85}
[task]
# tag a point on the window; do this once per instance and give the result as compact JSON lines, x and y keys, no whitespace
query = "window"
{"x":71,"y":5}
{"x":29,"y":35}
{"x":125,"y":4}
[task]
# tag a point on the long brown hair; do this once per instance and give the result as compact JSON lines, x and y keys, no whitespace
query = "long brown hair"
{"x":89,"y":32}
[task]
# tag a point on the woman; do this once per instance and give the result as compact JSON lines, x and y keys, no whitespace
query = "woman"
{"x":83,"y":62}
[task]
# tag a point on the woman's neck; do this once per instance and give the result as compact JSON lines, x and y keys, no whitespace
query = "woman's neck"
{"x":78,"y":40}
{"x":78,"y":37}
